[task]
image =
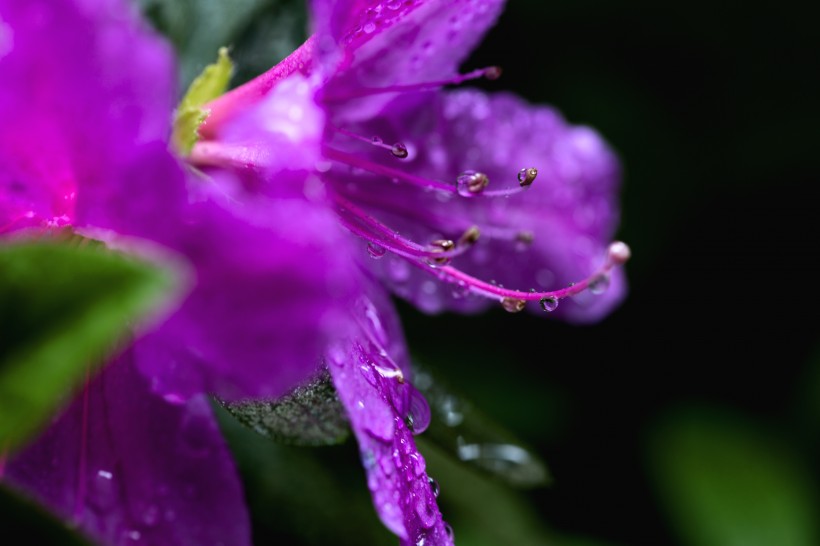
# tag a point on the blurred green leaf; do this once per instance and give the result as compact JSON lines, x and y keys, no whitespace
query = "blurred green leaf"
{"x":725,"y":483}
{"x":466,"y":434}
{"x":22,"y":518}
{"x":63,"y":307}
{"x":259,"y":32}
{"x":189,"y":116}
{"x":319,"y":495}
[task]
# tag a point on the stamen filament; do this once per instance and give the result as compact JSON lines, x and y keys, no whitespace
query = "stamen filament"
{"x":222,"y":109}
{"x":354,"y":161}
{"x":492,"y":73}
{"x":616,"y":256}
{"x":398,"y":149}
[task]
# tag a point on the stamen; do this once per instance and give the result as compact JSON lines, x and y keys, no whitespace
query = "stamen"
{"x":490,"y":72}
{"x":398,"y":149}
{"x":511,"y":300}
{"x":370,"y":229}
{"x":470,"y":236}
{"x":470,"y":183}
{"x":355,"y":161}
{"x":527,"y":176}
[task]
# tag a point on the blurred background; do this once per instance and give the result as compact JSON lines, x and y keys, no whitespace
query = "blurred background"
{"x":691,"y":415}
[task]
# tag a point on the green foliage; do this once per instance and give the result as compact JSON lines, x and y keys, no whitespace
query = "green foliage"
{"x":63,"y":309}
{"x":727,"y":484}
{"x":190,"y":114}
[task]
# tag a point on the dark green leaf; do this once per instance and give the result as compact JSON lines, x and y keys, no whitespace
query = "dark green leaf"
{"x":63,"y":308}
{"x":30,"y":524}
{"x":725,"y":483}
{"x":463,"y":431}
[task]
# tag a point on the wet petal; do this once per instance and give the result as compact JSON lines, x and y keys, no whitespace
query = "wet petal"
{"x":378,"y":44}
{"x":130,"y":468}
{"x":92,"y":87}
{"x":554,"y":233}
{"x":272,"y":288}
{"x":382,"y":406}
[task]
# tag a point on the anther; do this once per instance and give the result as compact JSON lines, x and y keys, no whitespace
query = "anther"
{"x":492,"y":72}
{"x":471,"y":183}
{"x":618,"y":253}
{"x":513,"y":305}
{"x":441,"y":245}
{"x":399,"y":150}
{"x":470,"y":236}
{"x":527,"y":176}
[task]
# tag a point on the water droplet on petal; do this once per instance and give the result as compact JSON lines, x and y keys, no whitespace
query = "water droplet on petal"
{"x":513,"y":305}
{"x":394,"y":4}
{"x":599,"y":284}
{"x":376,"y":251}
{"x":399,"y":150}
{"x":470,"y":183}
{"x":376,"y":140}
{"x":549,"y":304}
{"x":418,"y":412}
{"x":151,"y":516}
{"x":434,"y":486}
{"x":369,"y":28}
{"x":104,"y":474}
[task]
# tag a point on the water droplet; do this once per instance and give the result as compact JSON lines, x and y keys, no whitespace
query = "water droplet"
{"x":513,"y":305}
{"x":451,"y":413}
{"x":376,"y":251}
{"x":398,"y":269}
{"x":376,"y":140}
{"x":133,"y":535}
{"x":527,"y":176}
{"x":399,"y":150}
{"x":104,"y":474}
{"x":599,"y":284}
{"x":394,"y":4}
{"x":368,"y":459}
{"x":369,"y":28}
{"x":449,"y":530}
{"x":549,"y":304}
{"x":434,"y":486}
{"x":418,"y":412}
{"x":470,"y":183}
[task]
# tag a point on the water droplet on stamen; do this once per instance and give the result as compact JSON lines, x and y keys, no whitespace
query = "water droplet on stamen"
{"x":434,"y":486}
{"x":376,"y":251}
{"x":449,"y":530}
{"x":470,"y":183}
{"x":549,"y":304}
{"x":399,"y":150}
{"x":513,"y":305}
{"x":527,"y":176}
{"x":599,"y":284}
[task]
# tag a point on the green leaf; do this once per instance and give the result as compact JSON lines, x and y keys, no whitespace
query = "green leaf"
{"x":726,"y":483}
{"x":22,"y":518}
{"x":63,"y":309}
{"x":460,"y":429}
{"x":310,"y":415}
{"x":210,"y":84}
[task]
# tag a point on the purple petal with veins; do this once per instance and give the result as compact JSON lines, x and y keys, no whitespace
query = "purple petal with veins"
{"x":126,"y":467}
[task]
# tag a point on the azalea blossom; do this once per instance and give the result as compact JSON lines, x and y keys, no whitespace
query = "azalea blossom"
{"x":342,"y":173}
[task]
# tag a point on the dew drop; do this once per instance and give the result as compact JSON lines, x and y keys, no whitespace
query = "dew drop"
{"x":527,"y":176}
{"x":376,"y":251}
{"x":377,"y":141}
{"x":151,"y":516}
{"x":449,"y":530}
{"x":394,"y":4}
{"x":513,"y":305}
{"x":418,"y":412}
{"x":470,"y":183}
{"x":104,"y":474}
{"x":549,"y":304}
{"x":369,"y":28}
{"x":399,"y":150}
{"x":434,"y":486}
{"x":599,"y":284}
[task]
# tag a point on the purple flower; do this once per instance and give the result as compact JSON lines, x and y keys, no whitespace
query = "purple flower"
{"x":440,"y":187}
{"x":342,"y":173}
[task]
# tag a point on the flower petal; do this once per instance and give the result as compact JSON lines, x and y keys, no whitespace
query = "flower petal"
{"x":129,"y":468}
{"x":554,"y":233}
{"x":92,"y":86}
{"x":379,"y":44}
{"x":381,"y":406}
